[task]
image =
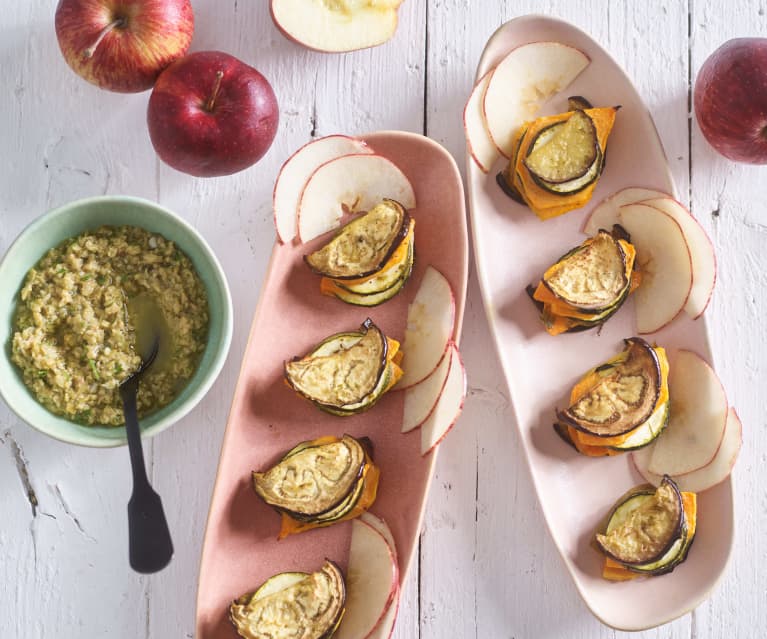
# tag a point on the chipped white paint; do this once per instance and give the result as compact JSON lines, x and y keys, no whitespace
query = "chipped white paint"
{"x":487,"y":568}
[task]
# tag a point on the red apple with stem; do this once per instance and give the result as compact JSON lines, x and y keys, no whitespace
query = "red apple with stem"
{"x":123,"y":45}
{"x":731,"y":100}
{"x":211,"y":114}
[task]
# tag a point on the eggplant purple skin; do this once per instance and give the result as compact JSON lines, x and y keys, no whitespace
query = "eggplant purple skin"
{"x":570,"y":420}
{"x":398,"y":239}
{"x":366,"y":325}
{"x":678,"y":529}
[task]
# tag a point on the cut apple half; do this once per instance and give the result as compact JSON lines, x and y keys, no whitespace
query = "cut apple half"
{"x":663,"y":259}
{"x":713,"y":473}
{"x":298,"y":168}
{"x":448,"y":408}
{"x":430,"y":321}
{"x":372,"y":581}
{"x":605,"y":214}
{"x":697,"y":419}
{"x":478,"y":141}
{"x":522,"y":82}
{"x":337,"y":26}
{"x":701,"y":253}
{"x":349,"y":184}
{"x":421,"y":399}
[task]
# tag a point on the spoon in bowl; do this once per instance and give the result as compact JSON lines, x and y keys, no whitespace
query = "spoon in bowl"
{"x":150,"y":547}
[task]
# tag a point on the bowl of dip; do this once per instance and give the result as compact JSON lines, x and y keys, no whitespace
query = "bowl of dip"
{"x":80,"y":289}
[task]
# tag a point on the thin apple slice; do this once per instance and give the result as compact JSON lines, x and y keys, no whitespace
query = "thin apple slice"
{"x":663,"y":258}
{"x":711,"y":474}
{"x":478,"y":140}
{"x":701,"y":253}
{"x":448,"y":408}
{"x":430,"y":321}
{"x":372,"y":580}
{"x":421,"y":399}
{"x":382,"y":527}
{"x":349,"y":184}
{"x":336,"y":26}
{"x":385,"y":628}
{"x":296,"y":172}
{"x":523,"y":81}
{"x":605,"y":214}
{"x":697,"y":420}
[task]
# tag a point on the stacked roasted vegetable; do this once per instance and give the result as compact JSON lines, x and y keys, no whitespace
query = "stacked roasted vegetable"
{"x":320,"y":482}
{"x":588,"y":284}
{"x":648,"y":532}
{"x":620,"y":405}
{"x":347,"y":373}
{"x":556,"y":160}
{"x":370,"y":258}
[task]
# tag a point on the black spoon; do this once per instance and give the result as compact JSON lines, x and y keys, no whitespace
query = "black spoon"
{"x":150,"y":547}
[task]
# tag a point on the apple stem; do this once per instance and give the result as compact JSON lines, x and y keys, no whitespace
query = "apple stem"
{"x":216,"y":88}
{"x":119,"y":22}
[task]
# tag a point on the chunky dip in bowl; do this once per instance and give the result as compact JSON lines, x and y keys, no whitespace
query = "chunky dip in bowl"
{"x":80,"y":289}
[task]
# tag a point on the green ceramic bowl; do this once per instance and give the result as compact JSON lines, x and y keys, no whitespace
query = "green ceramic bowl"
{"x":72,"y":219}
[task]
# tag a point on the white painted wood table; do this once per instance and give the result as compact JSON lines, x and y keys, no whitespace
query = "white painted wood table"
{"x":486,"y":566}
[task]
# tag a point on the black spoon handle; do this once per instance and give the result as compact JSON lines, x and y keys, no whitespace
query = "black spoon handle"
{"x":150,"y":547}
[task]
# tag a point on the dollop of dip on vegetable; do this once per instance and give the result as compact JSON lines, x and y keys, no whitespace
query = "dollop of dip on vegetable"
{"x":86,"y":307}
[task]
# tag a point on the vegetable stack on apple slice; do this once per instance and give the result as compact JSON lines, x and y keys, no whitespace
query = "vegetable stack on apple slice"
{"x":588,"y":284}
{"x":347,"y":373}
{"x":292,"y":604}
{"x":648,"y":532}
{"x":320,"y":482}
{"x":370,"y":258}
{"x":620,"y":405}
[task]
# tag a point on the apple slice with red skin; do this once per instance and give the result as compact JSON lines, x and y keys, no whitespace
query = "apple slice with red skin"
{"x":430,"y":322}
{"x":297,"y":170}
{"x":448,"y":408}
{"x":335,"y":27}
{"x":697,"y":419}
{"x":522,"y":82}
{"x":211,"y":114}
{"x":385,"y":628}
{"x":478,"y":140}
{"x":372,"y":581}
{"x":663,"y":259}
{"x":605,"y":214}
{"x":713,"y":473}
{"x":349,"y":184}
{"x":382,"y":527}
{"x":123,"y":45}
{"x":421,"y":399}
{"x":701,"y":253}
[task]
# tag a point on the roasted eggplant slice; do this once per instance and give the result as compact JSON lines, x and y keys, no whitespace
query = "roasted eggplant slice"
{"x":364,"y":245}
{"x":341,"y":371}
{"x":593,"y":276}
{"x":578,"y":102}
{"x":564,"y":151}
{"x":618,"y":396}
{"x":645,"y":526}
{"x":292,"y":605}
{"x":315,"y":479}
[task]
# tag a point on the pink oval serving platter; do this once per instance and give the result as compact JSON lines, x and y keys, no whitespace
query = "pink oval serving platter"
{"x":512,"y":249}
{"x":241,"y":550}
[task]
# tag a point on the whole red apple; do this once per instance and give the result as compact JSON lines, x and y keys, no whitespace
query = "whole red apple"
{"x":123,"y":45}
{"x":211,"y":114}
{"x":731,"y":100}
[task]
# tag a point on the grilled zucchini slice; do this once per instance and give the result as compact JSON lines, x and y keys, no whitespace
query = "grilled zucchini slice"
{"x":341,"y":371}
{"x":364,"y":245}
{"x":645,"y":526}
{"x":564,"y":151}
{"x":292,"y":606}
{"x":315,"y":479}
{"x":622,"y":394}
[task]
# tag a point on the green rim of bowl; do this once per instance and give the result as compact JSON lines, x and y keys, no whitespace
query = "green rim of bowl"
{"x":67,"y":221}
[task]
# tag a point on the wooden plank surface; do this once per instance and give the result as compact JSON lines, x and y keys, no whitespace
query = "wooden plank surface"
{"x":486,"y":566}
